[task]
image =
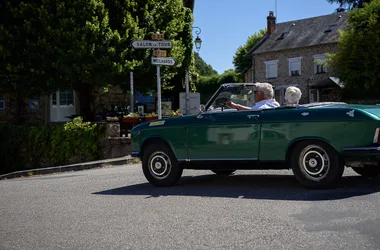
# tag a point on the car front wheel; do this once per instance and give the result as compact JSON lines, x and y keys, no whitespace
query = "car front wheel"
{"x":160,"y":166}
{"x":316,"y":164}
{"x":367,"y":171}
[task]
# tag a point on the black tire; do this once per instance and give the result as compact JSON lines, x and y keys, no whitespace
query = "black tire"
{"x":223,"y":171}
{"x":316,"y":164}
{"x":367,"y":171}
{"x":160,"y":166}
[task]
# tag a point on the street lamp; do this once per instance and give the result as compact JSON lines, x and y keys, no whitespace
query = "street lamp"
{"x":198,"y":43}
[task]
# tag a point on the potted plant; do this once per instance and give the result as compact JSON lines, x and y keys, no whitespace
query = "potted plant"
{"x":130,"y":118}
{"x":175,"y":113}
{"x":151,"y":116}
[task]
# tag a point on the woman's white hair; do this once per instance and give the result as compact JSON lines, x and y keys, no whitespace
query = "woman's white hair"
{"x":266,"y":88}
{"x":293,"y":95}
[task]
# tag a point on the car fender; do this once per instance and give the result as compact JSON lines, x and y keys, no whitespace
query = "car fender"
{"x":157,"y":137}
{"x":293,"y":142}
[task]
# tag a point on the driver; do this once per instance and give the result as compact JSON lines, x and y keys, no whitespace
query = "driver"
{"x":263,"y":96}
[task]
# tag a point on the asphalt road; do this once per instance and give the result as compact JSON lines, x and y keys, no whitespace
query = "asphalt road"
{"x":115,"y":208}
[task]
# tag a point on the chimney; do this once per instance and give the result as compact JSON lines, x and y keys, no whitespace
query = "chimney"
{"x":271,"y":23}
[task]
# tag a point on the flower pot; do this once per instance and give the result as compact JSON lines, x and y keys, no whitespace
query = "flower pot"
{"x":129,"y":120}
{"x":151,"y":118}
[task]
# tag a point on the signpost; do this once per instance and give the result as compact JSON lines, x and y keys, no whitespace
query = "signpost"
{"x":158,"y":52}
{"x":159,"y":58}
{"x":147,"y":44}
{"x":168,"y":61}
{"x":132,"y":95}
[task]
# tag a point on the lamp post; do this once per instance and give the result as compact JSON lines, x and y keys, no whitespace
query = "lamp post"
{"x":198,"y":43}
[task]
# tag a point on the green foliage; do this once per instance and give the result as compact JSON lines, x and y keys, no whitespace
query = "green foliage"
{"x":44,"y":146}
{"x":134,"y":20}
{"x":241,"y":60}
{"x":350,"y":4}
{"x":356,"y":62}
{"x":47,"y":45}
{"x":207,"y":85}
{"x":202,"y":67}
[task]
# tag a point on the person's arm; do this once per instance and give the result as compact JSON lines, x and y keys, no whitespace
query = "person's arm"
{"x":237,"y":106}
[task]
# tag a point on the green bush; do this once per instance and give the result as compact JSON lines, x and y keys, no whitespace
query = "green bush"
{"x":51,"y":145}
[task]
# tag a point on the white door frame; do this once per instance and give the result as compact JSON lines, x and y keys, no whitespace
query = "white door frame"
{"x":58,"y":108}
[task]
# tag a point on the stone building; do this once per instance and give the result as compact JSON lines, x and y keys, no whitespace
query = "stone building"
{"x":293,"y":54}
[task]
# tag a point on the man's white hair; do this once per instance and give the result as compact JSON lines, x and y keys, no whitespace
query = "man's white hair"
{"x":293,"y":95}
{"x":266,"y":88}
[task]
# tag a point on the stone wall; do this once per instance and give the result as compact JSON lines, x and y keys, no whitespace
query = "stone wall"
{"x":28,"y":115}
{"x":307,"y":77}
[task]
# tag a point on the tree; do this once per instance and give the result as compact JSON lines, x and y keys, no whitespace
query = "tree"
{"x":138,"y":21}
{"x":48,"y":45}
{"x":207,"y":85}
{"x":202,"y":67}
{"x":241,"y":60}
{"x":356,"y":62}
{"x":350,"y":4}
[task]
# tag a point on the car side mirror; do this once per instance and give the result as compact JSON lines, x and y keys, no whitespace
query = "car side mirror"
{"x":202,"y":108}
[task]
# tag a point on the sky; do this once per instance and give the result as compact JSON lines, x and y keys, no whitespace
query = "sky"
{"x":226,"y":24}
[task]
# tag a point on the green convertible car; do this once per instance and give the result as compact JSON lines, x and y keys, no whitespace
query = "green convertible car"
{"x":315,"y":140}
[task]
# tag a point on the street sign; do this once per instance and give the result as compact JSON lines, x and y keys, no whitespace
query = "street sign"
{"x":147,"y":44}
{"x":157,"y":36}
{"x":168,"y":61}
{"x":159,"y":53}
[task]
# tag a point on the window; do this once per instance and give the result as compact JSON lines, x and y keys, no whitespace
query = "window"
{"x":313,"y":95}
{"x":319,"y":64}
{"x":2,"y":104}
{"x":66,"y":98}
{"x":283,"y":35}
{"x":330,"y":27}
{"x":271,"y":68}
{"x":295,"y":66}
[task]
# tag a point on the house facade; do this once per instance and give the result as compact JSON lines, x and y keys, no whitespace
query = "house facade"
{"x":293,"y":54}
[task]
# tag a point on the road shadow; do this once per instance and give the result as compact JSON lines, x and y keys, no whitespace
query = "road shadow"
{"x":270,"y":187}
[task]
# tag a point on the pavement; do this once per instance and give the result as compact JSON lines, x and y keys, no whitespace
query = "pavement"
{"x":72,"y":167}
{"x":116,"y":208}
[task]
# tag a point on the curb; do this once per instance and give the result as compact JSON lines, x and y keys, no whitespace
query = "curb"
{"x":72,"y":167}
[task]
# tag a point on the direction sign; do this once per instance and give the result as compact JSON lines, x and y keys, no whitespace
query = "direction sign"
{"x":147,"y":44}
{"x":157,"y":36}
{"x":163,"y":61}
{"x":158,"y":52}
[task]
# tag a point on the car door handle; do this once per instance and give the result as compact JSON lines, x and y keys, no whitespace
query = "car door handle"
{"x":256,"y":117}
{"x":207,"y":117}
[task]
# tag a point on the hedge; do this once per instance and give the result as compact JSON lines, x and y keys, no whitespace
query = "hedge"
{"x":24,"y":147}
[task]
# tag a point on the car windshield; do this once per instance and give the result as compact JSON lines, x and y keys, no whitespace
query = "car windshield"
{"x":240,"y":94}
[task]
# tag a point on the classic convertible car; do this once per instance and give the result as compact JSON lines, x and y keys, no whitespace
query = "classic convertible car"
{"x":315,"y":140}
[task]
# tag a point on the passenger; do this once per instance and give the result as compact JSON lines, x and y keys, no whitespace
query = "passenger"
{"x":264,"y":97}
{"x":292,"y":95}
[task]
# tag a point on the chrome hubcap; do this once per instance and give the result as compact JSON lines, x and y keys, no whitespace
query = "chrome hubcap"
{"x":159,"y":165}
{"x":314,"y":162}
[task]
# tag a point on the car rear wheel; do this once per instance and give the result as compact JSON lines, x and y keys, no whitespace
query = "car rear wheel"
{"x":223,"y":171}
{"x":315,"y":164}
{"x":367,"y":171}
{"x":160,"y":166}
